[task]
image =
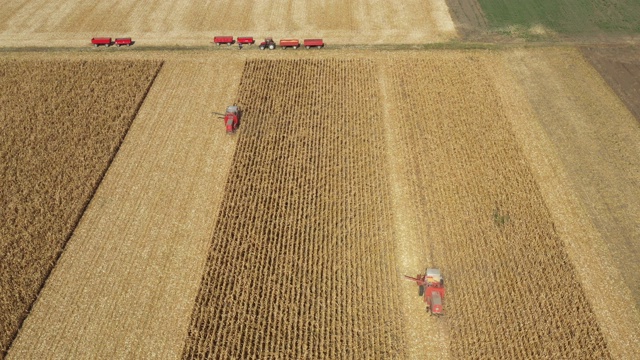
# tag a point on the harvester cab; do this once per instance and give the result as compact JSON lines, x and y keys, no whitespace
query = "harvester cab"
{"x":231,"y":118}
{"x":431,"y":288}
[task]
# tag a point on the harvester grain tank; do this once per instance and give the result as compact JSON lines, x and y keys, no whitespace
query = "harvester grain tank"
{"x":431,"y":288}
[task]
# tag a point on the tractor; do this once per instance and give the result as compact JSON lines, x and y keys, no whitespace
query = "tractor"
{"x":268,"y":43}
{"x":231,"y":118}
{"x":431,"y":288}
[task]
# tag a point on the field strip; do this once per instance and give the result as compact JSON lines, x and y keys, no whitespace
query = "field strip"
{"x":301,"y":264}
{"x":157,"y":23}
{"x":412,"y":252}
{"x":487,"y":225}
{"x":48,"y":117}
{"x":124,"y":288}
{"x":594,"y":251}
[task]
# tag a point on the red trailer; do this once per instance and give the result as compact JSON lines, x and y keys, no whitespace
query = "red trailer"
{"x":292,"y":43}
{"x":97,"y":41}
{"x":223,"y":40}
{"x":246,"y":40}
{"x":123,"y":41}
{"x":317,"y":43}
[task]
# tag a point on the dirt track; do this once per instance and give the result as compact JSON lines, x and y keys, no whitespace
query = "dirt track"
{"x":124,"y":287}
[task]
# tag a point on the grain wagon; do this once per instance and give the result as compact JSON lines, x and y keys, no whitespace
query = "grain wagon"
{"x":223,"y":40}
{"x":289,"y":43}
{"x":123,"y":41}
{"x":246,"y":40}
{"x":309,"y":43}
{"x":97,"y":41}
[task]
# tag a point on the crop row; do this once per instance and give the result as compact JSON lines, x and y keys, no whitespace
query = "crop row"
{"x":512,"y":290}
{"x":300,"y":264}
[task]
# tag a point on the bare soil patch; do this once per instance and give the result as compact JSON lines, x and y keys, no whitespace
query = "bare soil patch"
{"x":468,"y":17}
{"x":620,"y":68}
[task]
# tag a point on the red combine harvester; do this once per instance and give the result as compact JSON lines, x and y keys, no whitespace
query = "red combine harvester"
{"x":97,"y":41}
{"x":268,"y":43}
{"x":292,"y":43}
{"x":431,"y":287}
{"x":231,"y":118}
{"x":246,"y":40}
{"x":309,"y":43}
{"x":223,"y":40}
{"x":123,"y":41}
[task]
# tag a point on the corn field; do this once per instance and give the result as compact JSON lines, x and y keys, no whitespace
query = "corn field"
{"x":301,"y":265}
{"x":512,"y":291}
{"x":62,"y":122}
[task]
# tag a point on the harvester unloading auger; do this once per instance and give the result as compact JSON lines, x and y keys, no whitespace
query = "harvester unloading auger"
{"x":231,"y":118}
{"x":431,"y":287}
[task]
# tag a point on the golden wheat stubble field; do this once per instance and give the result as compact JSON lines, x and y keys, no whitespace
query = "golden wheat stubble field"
{"x":62,"y":122}
{"x":158,"y":23}
{"x":301,"y":264}
{"x":125,"y":285}
{"x":512,"y":290}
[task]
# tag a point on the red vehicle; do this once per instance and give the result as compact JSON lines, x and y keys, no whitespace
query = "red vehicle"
{"x":123,"y":41}
{"x":231,"y":118}
{"x":317,"y":43}
{"x":106,"y":41}
{"x":223,"y":40}
{"x":268,"y":43}
{"x":431,"y":287}
{"x":247,"y":40}
{"x":292,"y":43}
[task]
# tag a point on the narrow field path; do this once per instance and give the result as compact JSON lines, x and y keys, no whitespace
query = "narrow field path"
{"x":425,"y":336}
{"x":125,"y":286}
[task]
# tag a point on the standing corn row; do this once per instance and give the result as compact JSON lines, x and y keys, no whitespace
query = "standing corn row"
{"x":300,"y":265}
{"x":512,"y":291}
